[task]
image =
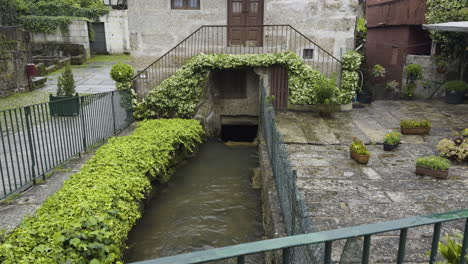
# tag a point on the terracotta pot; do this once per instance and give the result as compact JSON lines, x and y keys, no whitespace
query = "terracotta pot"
{"x":362,"y":159}
{"x":389,"y":147}
{"x":441,"y":174}
{"x":415,"y":130}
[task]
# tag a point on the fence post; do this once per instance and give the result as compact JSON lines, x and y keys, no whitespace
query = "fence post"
{"x":113,"y":111}
{"x":83,"y":126}
{"x":27,"y":111}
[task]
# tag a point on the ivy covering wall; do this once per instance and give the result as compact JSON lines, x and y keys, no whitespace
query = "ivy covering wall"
{"x":179,"y":95}
{"x":88,"y":219}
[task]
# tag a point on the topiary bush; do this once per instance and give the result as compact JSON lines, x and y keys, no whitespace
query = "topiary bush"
{"x":122,"y":72}
{"x":456,"y":86}
{"x":88,"y":219}
{"x":66,"y":83}
{"x":178,"y":95}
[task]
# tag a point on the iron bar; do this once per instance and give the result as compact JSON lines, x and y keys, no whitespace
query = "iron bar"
{"x":328,"y":251}
{"x":366,"y":249}
{"x":435,"y":242}
{"x":464,"y":248}
{"x":402,"y":246}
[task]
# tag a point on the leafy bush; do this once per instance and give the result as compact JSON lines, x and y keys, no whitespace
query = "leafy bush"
{"x":415,"y":123}
{"x":326,"y":91}
{"x":378,"y":71}
{"x":392,"y":138}
{"x":456,"y":86}
{"x":361,"y":25}
{"x":414,"y":70}
{"x":66,"y":83}
{"x":449,"y":149}
{"x":350,"y":81}
{"x":351,"y":61}
{"x":121,"y":72}
{"x":178,"y":95}
{"x":392,"y":86}
{"x":359,"y":147}
{"x":433,"y":163}
{"x":88,"y":219}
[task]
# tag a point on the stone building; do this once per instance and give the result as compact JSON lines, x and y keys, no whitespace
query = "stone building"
{"x":157,"y":26}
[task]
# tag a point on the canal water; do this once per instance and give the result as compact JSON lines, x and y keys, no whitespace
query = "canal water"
{"x":209,"y":202}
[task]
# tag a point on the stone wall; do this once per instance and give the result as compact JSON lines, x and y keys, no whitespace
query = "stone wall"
{"x":155,"y":28}
{"x":77,"y":34}
{"x":15,"y":53}
{"x":430,"y":76}
{"x":117,"y":34}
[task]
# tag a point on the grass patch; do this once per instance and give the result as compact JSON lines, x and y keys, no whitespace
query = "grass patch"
{"x":109,"y":58}
{"x":23,"y":99}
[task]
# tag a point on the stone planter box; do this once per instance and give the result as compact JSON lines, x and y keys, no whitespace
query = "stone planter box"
{"x":389,"y":147}
{"x":440,"y":174}
{"x":361,"y":159}
{"x":346,"y":107}
{"x":415,"y":130}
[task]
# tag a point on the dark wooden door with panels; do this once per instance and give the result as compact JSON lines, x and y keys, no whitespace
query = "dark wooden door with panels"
{"x":245,"y":13}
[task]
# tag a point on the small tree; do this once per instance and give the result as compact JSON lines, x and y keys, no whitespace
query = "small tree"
{"x":66,"y":83}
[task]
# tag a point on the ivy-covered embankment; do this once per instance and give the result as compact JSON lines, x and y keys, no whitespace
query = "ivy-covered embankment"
{"x":88,"y":219}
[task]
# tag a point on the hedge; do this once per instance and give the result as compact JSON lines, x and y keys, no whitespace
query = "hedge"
{"x":88,"y":219}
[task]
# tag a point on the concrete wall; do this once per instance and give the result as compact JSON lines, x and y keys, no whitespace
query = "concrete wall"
{"x":155,"y":28}
{"x":77,"y":34}
{"x":13,"y":59}
{"x":117,"y":34}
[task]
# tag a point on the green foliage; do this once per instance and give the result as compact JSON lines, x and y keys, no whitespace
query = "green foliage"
{"x":66,"y":82}
{"x":88,"y":219}
{"x":452,"y":44}
{"x":414,"y":71}
{"x":456,"y":86}
{"x":359,"y":147}
{"x":46,"y":24}
{"x":450,"y":149}
{"x":433,"y":163}
{"x":178,"y":95}
{"x":392,"y":138}
{"x":361,"y":25}
{"x":410,"y":88}
{"x":378,"y":71}
{"x":121,"y":72}
{"x":351,"y":61}
{"x":63,"y":9}
{"x":441,"y":63}
{"x":392,"y":86}
{"x":326,"y":91}
{"x":465,"y":132}
{"x":350,"y":80}
{"x":415,"y":123}
{"x":451,"y":249}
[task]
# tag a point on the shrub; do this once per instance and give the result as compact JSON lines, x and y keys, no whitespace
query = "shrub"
{"x":351,"y":61}
{"x":414,"y":71}
{"x":66,"y":83}
{"x":415,"y":123}
{"x":326,"y":91}
{"x":392,"y":138}
{"x":433,"y":163}
{"x":350,"y":80}
{"x":456,"y":86}
{"x":378,"y":71}
{"x":121,"y":72}
{"x":451,"y":249}
{"x":359,"y":147}
{"x":88,"y":219}
{"x":449,"y":149}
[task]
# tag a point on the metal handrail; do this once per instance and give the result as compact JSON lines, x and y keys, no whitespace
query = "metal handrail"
{"x":327,"y":237}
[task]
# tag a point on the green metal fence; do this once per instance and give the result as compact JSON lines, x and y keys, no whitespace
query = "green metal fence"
{"x":37,"y":138}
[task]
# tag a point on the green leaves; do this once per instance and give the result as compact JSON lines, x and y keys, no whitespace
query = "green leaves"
{"x":88,"y":219}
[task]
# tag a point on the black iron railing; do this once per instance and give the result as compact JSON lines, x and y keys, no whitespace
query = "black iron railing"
{"x":36,"y":138}
{"x":221,"y":40}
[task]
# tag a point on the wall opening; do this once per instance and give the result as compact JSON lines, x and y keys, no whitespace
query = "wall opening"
{"x":239,"y":133}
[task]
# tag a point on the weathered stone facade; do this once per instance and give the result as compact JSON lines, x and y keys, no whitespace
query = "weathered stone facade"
{"x":15,"y":53}
{"x":155,"y":28}
{"x":117,"y":35}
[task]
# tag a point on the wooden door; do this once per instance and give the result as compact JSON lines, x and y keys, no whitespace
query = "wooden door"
{"x":245,"y":13}
{"x":279,"y":86}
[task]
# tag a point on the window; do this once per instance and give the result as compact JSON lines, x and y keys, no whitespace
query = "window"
{"x":185,"y":4}
{"x":308,"y":54}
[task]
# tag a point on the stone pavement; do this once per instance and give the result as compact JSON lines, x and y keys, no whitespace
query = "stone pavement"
{"x":95,"y":78}
{"x":341,"y":193}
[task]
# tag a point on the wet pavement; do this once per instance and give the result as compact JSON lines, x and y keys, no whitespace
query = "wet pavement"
{"x":341,"y":193}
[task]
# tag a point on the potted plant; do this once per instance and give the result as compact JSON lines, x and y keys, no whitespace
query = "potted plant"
{"x":433,"y":166}
{"x":326,"y":93}
{"x":455,"y":91}
{"x":413,"y":71}
{"x":409,"y":90}
{"x":391,"y":141}
{"x":65,"y":103}
{"x":359,"y":152}
{"x":392,"y":87}
{"x":378,"y":71}
{"x":414,"y":127}
{"x":441,"y":64}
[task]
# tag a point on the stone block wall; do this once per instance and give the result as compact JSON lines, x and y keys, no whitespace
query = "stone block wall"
{"x":77,"y":34}
{"x":430,"y":76}
{"x":117,"y":34}
{"x":15,"y":54}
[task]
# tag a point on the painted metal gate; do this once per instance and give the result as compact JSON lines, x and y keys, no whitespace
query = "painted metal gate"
{"x":279,"y":86}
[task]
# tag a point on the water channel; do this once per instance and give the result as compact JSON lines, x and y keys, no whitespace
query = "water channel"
{"x":208,"y":203}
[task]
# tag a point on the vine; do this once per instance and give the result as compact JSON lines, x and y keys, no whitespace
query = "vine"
{"x":178,"y":95}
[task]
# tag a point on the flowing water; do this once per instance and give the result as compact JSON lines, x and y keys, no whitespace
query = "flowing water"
{"x":208,"y":203}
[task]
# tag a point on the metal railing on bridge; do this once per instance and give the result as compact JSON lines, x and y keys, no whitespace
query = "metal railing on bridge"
{"x":216,"y":39}
{"x":37,"y":138}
